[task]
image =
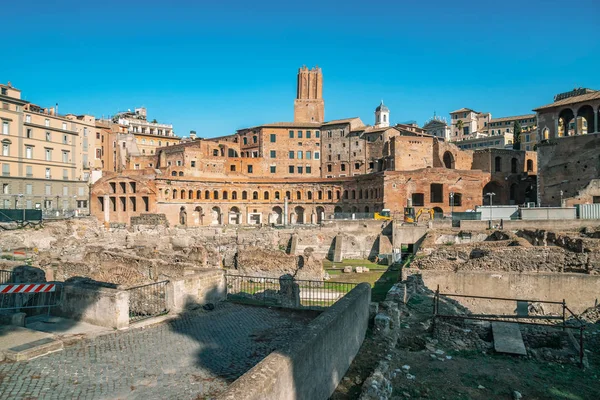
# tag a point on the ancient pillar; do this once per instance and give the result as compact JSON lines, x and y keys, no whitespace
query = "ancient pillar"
{"x":285,"y":211}
{"x":106,"y":208}
{"x":596,"y":120}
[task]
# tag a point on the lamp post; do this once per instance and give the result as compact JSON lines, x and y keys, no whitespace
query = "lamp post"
{"x":491,"y":194}
{"x":452,"y":205}
{"x":561,"y":196}
{"x":23,"y":204}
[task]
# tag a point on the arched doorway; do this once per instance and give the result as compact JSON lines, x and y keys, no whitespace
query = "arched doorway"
{"x":438,"y":213}
{"x":299,"y":214}
{"x":320,"y":214}
{"x":449,"y":160}
{"x":182,"y":216}
{"x":234,"y":216}
{"x":215,"y":214}
{"x":276,"y":216}
{"x":514,"y":165}
{"x":337,"y":212}
{"x":513,"y":194}
{"x":496,"y":189}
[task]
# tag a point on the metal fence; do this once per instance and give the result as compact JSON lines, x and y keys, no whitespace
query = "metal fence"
{"x":19,"y":215}
{"x":146,"y":301}
{"x":6,"y":276}
{"x":559,"y":312}
{"x":16,"y":296}
{"x":285,"y":292}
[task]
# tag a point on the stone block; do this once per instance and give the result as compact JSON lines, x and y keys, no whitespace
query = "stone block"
{"x":347,"y":270}
{"x":358,"y":270}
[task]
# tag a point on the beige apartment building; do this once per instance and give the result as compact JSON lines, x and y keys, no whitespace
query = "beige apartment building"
{"x":46,"y":157}
{"x":466,"y":123}
{"x":505,"y":125}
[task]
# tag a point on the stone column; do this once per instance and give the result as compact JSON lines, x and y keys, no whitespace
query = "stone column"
{"x":555,"y":133}
{"x":106,"y":208}
{"x":575,"y":131}
{"x":596,"y":120}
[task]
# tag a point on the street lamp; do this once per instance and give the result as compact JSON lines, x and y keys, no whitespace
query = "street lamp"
{"x":491,"y":194}
{"x":452,"y":205}
{"x":561,"y":196}
{"x":23,"y":203}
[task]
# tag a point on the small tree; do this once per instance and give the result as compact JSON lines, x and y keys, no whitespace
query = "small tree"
{"x":517,"y":136}
{"x":459,"y":125}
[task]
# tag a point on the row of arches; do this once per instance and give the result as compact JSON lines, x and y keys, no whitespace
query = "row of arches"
{"x":514,"y":165}
{"x":182,"y":194}
{"x":571,"y":122}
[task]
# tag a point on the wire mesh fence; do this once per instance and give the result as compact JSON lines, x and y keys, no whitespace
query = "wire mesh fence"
{"x":285,"y":292}
{"x":147,"y":301}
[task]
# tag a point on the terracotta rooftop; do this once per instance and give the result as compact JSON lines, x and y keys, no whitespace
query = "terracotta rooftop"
{"x":515,"y":117}
{"x":463,"y":110}
{"x":340,"y":121}
{"x":571,"y":100}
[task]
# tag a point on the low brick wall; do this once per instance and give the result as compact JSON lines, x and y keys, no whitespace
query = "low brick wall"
{"x":199,"y":287}
{"x":312,"y":366}
{"x":94,"y":304}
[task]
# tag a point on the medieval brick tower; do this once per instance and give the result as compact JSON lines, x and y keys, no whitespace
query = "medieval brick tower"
{"x":309,"y":105}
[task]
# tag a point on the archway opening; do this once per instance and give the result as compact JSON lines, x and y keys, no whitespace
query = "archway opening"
{"x":299,"y":214}
{"x":449,"y":160}
{"x":585,"y":120}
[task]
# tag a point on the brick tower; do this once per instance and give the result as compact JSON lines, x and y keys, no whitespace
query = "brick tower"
{"x":309,"y":105}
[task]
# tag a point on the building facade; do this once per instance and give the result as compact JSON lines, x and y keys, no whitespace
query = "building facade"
{"x":46,"y":157}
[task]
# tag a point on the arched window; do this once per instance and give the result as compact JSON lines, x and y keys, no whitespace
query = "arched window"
{"x":329,"y":195}
{"x":345,"y":194}
{"x":191,"y":195}
{"x":198,"y":194}
{"x":360,"y":195}
{"x":320,"y":195}
{"x":353,"y":194}
{"x":225,"y":195}
{"x":244,"y":195}
{"x":182,"y":194}
{"x":309,"y":195}
{"x":266,"y":195}
{"x":174,"y":173}
{"x":180,"y":173}
{"x":254,"y":195}
{"x":529,"y":165}
{"x":206,"y":195}
{"x":337,"y":194}
{"x":174,"y":194}
{"x":245,"y":140}
{"x":288,"y":195}
{"x":277,"y":195}
{"x":298,"y":195}
{"x":215,"y":195}
{"x":234,"y":195}
{"x":254,"y":139}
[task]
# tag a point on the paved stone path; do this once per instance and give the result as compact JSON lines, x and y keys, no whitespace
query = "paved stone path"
{"x":195,"y":356}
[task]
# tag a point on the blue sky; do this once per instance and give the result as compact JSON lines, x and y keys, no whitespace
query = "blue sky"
{"x":217,"y":66}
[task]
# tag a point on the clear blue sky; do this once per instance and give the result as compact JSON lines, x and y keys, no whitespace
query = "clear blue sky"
{"x":217,"y":66}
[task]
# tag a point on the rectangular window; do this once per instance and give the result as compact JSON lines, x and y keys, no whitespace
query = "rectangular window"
{"x":291,"y":169}
{"x":48,"y":190}
{"x":193,"y":164}
{"x":4,"y":127}
{"x":273,"y":169}
{"x":308,"y":155}
{"x":29,"y":189}
{"x":273,"y":138}
{"x":299,"y":134}
{"x":65,"y":139}
{"x":47,"y":122}
{"x":98,"y":154}
{"x":48,"y":174}
{"x":81,"y":191}
{"x":65,"y":156}
{"x":317,"y":155}
{"x":308,"y":134}
{"x":5,"y":188}
{"x":48,"y":155}
{"x":291,"y":154}
{"x":249,"y":169}
{"x":317,"y":134}
{"x":65,"y":174}
{"x":5,"y":150}
{"x":273,"y":154}
{"x":291,"y":134}
{"x":48,"y":137}
{"x":64,"y":126}
{"x":308,"y":169}
{"x":29,"y":171}
{"x":28,"y":118}
{"x":65,"y":191}
{"x":300,"y":169}
{"x":29,"y":134}
{"x":299,"y":155}
{"x":527,"y":138}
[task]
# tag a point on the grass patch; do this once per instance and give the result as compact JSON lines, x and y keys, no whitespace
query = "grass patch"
{"x":327,"y":264}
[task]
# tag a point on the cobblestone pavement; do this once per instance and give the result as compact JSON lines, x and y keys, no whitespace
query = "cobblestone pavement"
{"x":194,"y":356}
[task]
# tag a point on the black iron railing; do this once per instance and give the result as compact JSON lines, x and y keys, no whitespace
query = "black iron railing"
{"x":522,"y":315}
{"x":146,"y":301}
{"x":285,"y":292}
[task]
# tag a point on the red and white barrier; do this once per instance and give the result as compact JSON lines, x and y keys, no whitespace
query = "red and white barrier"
{"x":27,"y":288}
